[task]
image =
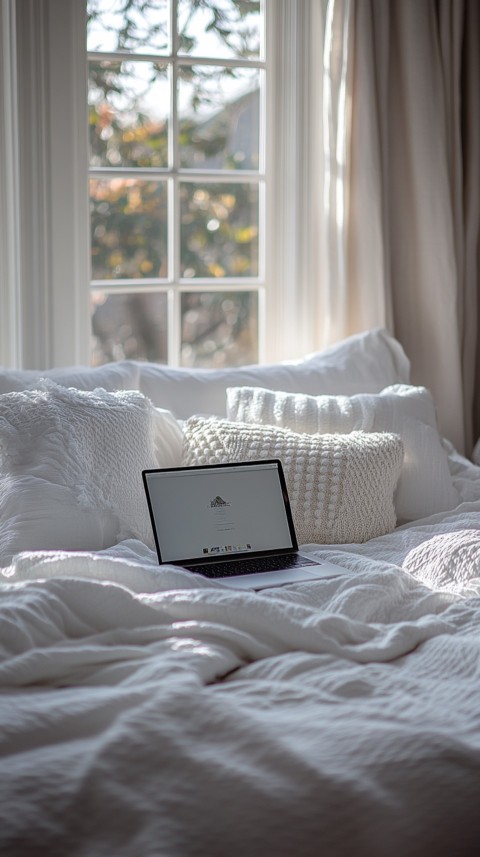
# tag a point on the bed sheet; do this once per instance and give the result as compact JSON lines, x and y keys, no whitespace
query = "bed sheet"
{"x":147,"y":712}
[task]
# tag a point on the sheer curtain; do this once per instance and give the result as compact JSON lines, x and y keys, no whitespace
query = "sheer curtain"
{"x":401,"y":141}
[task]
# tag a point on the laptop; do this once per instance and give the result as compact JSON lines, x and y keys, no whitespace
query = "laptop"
{"x":231,"y":523}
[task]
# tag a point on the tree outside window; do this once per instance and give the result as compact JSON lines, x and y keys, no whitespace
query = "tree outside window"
{"x":176,"y":179}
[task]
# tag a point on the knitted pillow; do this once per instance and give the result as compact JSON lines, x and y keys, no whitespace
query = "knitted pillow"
{"x":341,"y":486}
{"x":71,"y":467}
{"x":425,"y":486}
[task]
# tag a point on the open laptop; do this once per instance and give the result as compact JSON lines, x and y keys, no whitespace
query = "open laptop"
{"x":231,"y":523}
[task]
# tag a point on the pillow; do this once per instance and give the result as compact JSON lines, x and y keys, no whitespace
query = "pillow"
{"x":476,"y":453}
{"x":425,"y":485}
{"x":341,"y":486}
{"x":124,"y":375}
{"x":70,"y":467}
{"x":364,"y":363}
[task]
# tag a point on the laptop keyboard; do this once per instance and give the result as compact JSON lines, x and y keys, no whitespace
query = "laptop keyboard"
{"x":255,"y":565}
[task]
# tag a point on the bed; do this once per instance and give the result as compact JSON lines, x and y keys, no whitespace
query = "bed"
{"x":148,"y":711}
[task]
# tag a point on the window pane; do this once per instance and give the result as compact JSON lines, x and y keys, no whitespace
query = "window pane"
{"x":218,"y":117}
{"x":219,"y":230}
{"x":129,"y":327}
{"x":140,"y":26}
{"x":219,"y":328}
{"x":128,"y":221}
{"x":220,"y":28}
{"x":129,"y":106}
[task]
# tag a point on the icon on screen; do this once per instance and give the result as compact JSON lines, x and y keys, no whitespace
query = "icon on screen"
{"x":218,"y":501}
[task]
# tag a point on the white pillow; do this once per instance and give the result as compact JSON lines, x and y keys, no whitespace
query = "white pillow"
{"x":364,"y":363}
{"x":71,"y":467}
{"x":341,"y":486}
{"x":425,"y":485}
{"x":124,"y":375}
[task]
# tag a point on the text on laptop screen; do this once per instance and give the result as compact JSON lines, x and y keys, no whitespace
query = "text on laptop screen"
{"x":201,"y":513}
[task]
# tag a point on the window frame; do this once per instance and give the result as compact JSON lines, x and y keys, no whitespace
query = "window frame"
{"x":45,"y":268}
{"x":174,"y":285}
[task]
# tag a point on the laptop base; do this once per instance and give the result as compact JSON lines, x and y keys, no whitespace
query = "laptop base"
{"x":288,"y":577}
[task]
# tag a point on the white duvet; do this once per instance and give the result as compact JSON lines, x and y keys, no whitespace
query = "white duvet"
{"x":147,"y":712}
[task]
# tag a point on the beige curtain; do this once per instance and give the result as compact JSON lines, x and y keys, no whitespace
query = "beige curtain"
{"x":401,"y":108}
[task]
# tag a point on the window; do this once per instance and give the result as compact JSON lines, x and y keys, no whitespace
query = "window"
{"x":177,"y":180}
{"x":193,"y":297}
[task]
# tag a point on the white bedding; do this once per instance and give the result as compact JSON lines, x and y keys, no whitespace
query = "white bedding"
{"x":147,"y":712}
{"x":151,"y":713}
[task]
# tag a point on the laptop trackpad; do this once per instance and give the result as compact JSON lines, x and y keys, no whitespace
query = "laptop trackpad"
{"x":268,"y":579}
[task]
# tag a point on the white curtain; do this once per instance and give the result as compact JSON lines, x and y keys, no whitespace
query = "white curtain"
{"x":401,"y":126}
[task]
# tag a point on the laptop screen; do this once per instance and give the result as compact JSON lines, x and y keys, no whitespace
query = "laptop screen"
{"x":202,"y":513}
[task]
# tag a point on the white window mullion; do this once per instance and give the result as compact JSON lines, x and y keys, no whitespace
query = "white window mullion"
{"x":174,"y":336}
{"x":174,"y":332}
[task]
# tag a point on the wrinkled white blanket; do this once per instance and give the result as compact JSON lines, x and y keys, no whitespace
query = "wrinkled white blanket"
{"x":145,"y":712}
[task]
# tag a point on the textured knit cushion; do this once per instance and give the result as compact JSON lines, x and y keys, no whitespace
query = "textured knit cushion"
{"x":425,"y":486}
{"x":341,"y":486}
{"x":71,"y":467}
